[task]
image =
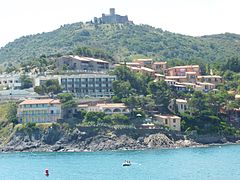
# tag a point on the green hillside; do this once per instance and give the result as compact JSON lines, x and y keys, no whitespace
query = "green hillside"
{"x":123,"y":42}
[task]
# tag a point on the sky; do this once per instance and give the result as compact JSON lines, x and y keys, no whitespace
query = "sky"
{"x":190,"y":17}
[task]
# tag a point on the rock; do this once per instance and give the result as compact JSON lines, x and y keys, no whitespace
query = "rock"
{"x":158,"y":141}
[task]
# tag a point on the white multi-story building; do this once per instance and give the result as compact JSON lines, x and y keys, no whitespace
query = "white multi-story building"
{"x":10,"y":81}
{"x":83,"y":85}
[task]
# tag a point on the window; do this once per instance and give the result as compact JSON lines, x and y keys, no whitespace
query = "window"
{"x":174,"y":120}
{"x":166,"y":121}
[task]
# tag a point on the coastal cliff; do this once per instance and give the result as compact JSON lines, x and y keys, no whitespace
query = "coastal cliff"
{"x":57,"y":138}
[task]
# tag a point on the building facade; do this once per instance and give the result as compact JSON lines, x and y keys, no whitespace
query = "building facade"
{"x":11,"y":81}
{"x":107,"y":108}
{"x":83,"y":85}
{"x":214,"y":79}
{"x":171,"y":121}
{"x":181,"y":70}
{"x":181,"y":105}
{"x":82,"y":64}
{"x":39,"y":111}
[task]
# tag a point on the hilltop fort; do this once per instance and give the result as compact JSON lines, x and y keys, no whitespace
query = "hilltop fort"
{"x":111,"y":18}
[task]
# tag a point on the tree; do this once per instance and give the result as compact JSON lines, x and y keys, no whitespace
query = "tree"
{"x":160,"y":93}
{"x":12,"y":113}
{"x":26,"y":82}
{"x":122,"y":89}
{"x":93,"y":117}
{"x":49,"y":87}
{"x":68,"y":104}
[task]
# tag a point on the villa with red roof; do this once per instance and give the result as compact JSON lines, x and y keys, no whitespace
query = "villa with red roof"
{"x":39,"y":111}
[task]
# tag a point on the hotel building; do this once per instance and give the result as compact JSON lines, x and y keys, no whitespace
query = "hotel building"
{"x":39,"y":111}
{"x":83,"y":85}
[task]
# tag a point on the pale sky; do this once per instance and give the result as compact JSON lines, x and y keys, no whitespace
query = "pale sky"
{"x":189,"y":17}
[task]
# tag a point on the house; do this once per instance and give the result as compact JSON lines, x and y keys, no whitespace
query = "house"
{"x":107,"y":108}
{"x":214,"y":79}
{"x":206,"y":87}
{"x":39,"y":111}
{"x":160,"y":67}
{"x":181,"y":70}
{"x":171,"y":121}
{"x":82,"y":64}
{"x":144,"y":62}
{"x":181,"y":105}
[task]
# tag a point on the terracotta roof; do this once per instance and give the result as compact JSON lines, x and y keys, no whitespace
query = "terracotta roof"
{"x":147,"y":69}
{"x":176,"y":77}
{"x":190,"y":72}
{"x":143,"y":60}
{"x":189,"y":66}
{"x":210,"y":76}
{"x":160,"y":62}
{"x":40,"y":101}
{"x":159,"y":75}
{"x":112,"y":105}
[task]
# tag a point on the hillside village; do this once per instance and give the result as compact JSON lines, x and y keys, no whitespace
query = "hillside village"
{"x":85,"y":87}
{"x":93,"y":99}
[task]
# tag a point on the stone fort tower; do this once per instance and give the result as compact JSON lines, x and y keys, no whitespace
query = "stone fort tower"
{"x":111,"y":18}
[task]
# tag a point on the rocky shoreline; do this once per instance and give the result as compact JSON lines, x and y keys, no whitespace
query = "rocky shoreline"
{"x":59,"y":140}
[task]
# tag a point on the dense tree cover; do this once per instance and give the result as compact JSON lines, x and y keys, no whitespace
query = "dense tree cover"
{"x":12,"y":113}
{"x":98,"y":118}
{"x":50,"y":87}
{"x":26,"y":82}
{"x":141,"y":91}
{"x":204,"y":113}
{"x":122,"y":42}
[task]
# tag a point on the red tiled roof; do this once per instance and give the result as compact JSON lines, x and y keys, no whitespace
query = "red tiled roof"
{"x":40,"y":101}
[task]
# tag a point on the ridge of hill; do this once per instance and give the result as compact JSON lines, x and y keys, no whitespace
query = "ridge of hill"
{"x":123,"y":42}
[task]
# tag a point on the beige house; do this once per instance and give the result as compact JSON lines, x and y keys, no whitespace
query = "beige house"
{"x":171,"y":121}
{"x":39,"y":111}
{"x":144,"y":62}
{"x":107,"y":108}
{"x":214,"y":79}
{"x":181,"y":104}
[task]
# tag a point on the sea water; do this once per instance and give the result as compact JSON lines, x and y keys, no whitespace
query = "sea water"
{"x":216,"y":162}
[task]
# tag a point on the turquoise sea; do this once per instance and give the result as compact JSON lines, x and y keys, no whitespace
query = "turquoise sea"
{"x":216,"y":162}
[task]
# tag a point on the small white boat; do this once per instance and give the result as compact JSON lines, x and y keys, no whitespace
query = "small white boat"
{"x":126,"y":163}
